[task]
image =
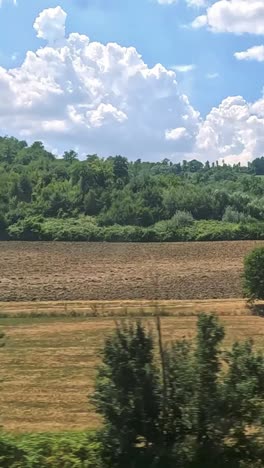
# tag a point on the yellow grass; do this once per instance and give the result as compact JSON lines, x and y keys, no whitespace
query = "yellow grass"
{"x":49,"y":362}
{"x":122,"y":308}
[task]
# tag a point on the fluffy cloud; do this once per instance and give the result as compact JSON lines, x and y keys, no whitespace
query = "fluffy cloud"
{"x":233,"y":16}
{"x":50,"y":24}
{"x":176,"y":133}
{"x":105,"y":99}
{"x":254,"y":53}
{"x":234,"y":131}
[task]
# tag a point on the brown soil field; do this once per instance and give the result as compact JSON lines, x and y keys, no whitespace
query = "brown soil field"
{"x":46,"y":271}
{"x":48,"y":364}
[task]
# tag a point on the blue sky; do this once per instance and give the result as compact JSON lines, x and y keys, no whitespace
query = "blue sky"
{"x":161,"y":33}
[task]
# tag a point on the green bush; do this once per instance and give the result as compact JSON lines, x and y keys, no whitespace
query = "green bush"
{"x":11,"y":456}
{"x":181,"y":219}
{"x":231,"y":215}
{"x":254,"y":274}
{"x":118,"y":233}
{"x":69,"y":450}
{"x":213,"y":231}
{"x":27,"y":229}
{"x":83,"y":228}
{"x":181,"y":228}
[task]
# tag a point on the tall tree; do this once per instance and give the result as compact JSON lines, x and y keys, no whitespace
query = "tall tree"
{"x":120,"y":168}
{"x":243,"y":408}
{"x":127,"y":395}
{"x":207,"y":367}
{"x":70,"y":156}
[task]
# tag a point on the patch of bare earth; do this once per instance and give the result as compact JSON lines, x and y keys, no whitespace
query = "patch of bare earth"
{"x":46,"y":271}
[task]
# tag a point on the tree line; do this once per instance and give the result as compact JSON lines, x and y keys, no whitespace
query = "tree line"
{"x":43,"y":197}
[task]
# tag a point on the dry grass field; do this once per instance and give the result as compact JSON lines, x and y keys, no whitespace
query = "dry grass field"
{"x":48,"y":364}
{"x":60,"y":300}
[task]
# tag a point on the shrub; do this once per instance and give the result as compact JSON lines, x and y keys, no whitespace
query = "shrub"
{"x":254,"y":274}
{"x":27,"y":229}
{"x":231,"y":215}
{"x":181,"y":219}
{"x":213,"y":231}
{"x":67,"y":450}
{"x":83,"y":228}
{"x":11,"y":456}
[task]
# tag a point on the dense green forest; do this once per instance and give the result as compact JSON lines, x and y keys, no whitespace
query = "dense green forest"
{"x":43,"y":197}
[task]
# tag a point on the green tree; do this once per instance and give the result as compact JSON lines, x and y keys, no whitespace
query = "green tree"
{"x":179,"y":418}
{"x":91,"y":204}
{"x":21,"y":188}
{"x":254,"y":274}
{"x":258,"y":166}
{"x":127,"y":395}
{"x":34,"y":182}
{"x":195,"y":166}
{"x":120,"y":168}
{"x":70,"y":156}
{"x":207,"y":368}
{"x":243,"y":404}
{"x":209,"y":414}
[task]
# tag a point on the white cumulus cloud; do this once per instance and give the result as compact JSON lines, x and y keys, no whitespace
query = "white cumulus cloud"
{"x":176,"y":133}
{"x":233,"y":16}
{"x":254,"y":53}
{"x":50,"y":24}
{"x":105,"y":99}
{"x":234,"y":131}
{"x":102,"y":98}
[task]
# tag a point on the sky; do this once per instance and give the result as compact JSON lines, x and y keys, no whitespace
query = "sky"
{"x":149,"y":79}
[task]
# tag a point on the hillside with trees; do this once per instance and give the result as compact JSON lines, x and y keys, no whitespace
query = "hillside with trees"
{"x":43,"y":197}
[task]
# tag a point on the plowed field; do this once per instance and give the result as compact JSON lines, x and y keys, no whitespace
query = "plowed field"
{"x":103,"y":271}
